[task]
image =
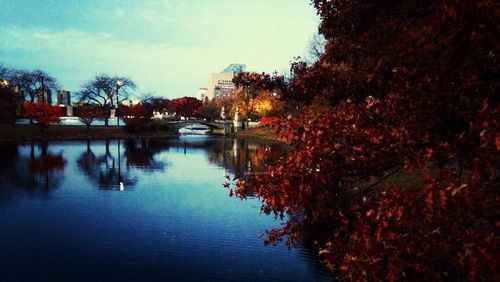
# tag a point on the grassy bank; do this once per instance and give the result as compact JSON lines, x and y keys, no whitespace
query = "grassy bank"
{"x":28,"y":132}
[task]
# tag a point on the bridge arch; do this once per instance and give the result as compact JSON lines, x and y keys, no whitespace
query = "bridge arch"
{"x":217,"y":127}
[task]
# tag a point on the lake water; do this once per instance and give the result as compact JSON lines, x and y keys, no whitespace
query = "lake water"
{"x":138,"y":210}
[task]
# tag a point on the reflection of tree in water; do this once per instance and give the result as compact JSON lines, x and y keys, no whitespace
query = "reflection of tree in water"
{"x":10,"y":157}
{"x":140,"y":153}
{"x":239,"y":157}
{"x":39,"y":171}
{"x":244,"y":156}
{"x":105,"y":169}
{"x":8,"y":171}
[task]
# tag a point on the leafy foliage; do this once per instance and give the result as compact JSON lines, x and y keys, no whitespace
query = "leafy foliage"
{"x":185,"y":106}
{"x":43,"y":113}
{"x":410,"y":88}
{"x":160,"y":105}
{"x":209,"y":111}
{"x":137,"y":116}
{"x":87,"y":113}
{"x":254,"y":94}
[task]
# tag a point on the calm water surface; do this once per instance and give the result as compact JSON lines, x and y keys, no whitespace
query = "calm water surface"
{"x":138,"y":210}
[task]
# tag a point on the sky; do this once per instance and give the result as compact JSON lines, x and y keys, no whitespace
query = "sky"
{"x":168,"y":47}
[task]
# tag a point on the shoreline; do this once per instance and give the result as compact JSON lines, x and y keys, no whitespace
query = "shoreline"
{"x":261,"y":133}
{"x":31,"y":132}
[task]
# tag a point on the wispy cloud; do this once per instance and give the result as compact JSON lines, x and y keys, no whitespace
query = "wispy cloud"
{"x":157,"y":67}
{"x":168,"y":47}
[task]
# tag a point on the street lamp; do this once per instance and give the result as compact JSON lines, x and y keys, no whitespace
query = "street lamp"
{"x":118,"y":84}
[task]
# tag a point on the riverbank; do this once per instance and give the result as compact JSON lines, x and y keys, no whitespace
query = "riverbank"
{"x":262,"y":133}
{"x":31,"y":132}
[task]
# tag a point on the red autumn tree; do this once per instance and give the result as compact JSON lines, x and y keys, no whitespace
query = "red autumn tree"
{"x":160,"y":105}
{"x":43,"y":113}
{"x":185,"y":106}
{"x":137,"y":116}
{"x":398,"y":179}
{"x":87,"y":113}
{"x":249,"y":85}
{"x":208,"y":111}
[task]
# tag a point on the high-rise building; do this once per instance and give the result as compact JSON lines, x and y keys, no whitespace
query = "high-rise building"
{"x":219,"y":83}
{"x":222,"y":83}
{"x":44,"y":95}
{"x":63,"y":98}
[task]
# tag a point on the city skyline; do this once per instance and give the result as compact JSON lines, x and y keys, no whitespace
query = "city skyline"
{"x":168,"y":48}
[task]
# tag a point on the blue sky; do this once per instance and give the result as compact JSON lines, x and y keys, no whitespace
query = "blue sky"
{"x":166,"y":46}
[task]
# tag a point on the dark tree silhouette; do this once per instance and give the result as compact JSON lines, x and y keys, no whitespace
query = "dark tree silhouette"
{"x":36,"y":85}
{"x":102,"y":91}
{"x":8,"y":105}
{"x":87,"y":113}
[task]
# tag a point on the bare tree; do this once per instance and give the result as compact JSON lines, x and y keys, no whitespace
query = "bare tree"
{"x":316,"y":47}
{"x":5,"y":72}
{"x":106,"y":91}
{"x":32,"y":83}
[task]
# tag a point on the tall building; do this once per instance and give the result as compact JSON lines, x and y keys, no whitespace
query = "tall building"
{"x":219,"y":83}
{"x":63,"y":98}
{"x":44,"y":95}
{"x":222,"y":83}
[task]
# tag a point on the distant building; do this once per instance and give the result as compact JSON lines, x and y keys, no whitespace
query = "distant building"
{"x":44,"y":95}
{"x":63,"y":98}
{"x":220,"y":83}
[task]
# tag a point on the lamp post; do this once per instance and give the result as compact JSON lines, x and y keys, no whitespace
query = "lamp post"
{"x":118,"y":84}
